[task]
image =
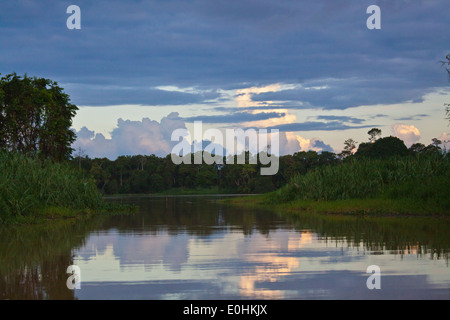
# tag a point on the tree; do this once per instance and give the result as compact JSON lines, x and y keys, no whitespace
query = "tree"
{"x":444,"y":63}
{"x":206,"y":176}
{"x":326,"y":158}
{"x":122,"y":167}
{"x":383,"y":148}
{"x":433,"y":148}
{"x":349,"y":146}
{"x":35,"y":117}
{"x":436,"y":142}
{"x":447,"y":111}
{"x":100,"y":175}
{"x":373,"y":133}
{"x":79,"y":155}
{"x":156,"y":183}
{"x":417,"y":147}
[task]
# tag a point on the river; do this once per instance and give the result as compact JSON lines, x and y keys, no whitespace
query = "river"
{"x":195,"y":247}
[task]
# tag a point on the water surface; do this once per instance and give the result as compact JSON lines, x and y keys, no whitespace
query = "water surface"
{"x":198,"y":248}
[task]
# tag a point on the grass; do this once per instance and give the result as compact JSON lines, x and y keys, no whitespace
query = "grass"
{"x":398,"y":186}
{"x":32,"y":190}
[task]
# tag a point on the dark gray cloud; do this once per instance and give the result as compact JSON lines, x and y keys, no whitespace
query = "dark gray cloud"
{"x":317,"y":126}
{"x":341,"y":118}
{"x":230,"y":44}
{"x":236,"y":117}
{"x":347,"y":93}
{"x":413,"y":117}
{"x":319,"y":144}
{"x":96,"y":95}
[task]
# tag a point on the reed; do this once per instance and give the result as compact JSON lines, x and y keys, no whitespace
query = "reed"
{"x":31,"y":188}
{"x":416,"y":179}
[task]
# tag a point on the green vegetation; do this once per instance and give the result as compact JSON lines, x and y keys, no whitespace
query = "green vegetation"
{"x":36,"y":179}
{"x":35,"y":117}
{"x":40,"y":179}
{"x":35,"y":257}
{"x":382,"y":148}
{"x":33,"y":190}
{"x":382,"y":177}
{"x":447,"y":62}
{"x":155,"y":175}
{"x":409,"y":185}
{"x":149,"y":174}
{"x":363,"y":178}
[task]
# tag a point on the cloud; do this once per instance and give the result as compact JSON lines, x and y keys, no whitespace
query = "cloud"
{"x":144,"y":137}
{"x":267,"y":56}
{"x":408,"y":133}
{"x":291,"y":143}
{"x":208,"y":146}
{"x":314,"y":144}
{"x":413,"y":117}
{"x":341,"y":118}
{"x":318,"y":145}
{"x":148,"y":137}
{"x":445,"y":138}
{"x":317,"y":126}
{"x":244,"y":96}
{"x":236,"y":117}
{"x":230,"y":45}
{"x":288,"y":143}
{"x":344,"y":93}
{"x":104,"y":95}
{"x":94,"y":145}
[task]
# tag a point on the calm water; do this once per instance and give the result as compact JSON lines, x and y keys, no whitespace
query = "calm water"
{"x":197,"y":248}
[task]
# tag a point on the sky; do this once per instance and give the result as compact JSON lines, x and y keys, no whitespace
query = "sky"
{"x":138,"y":70}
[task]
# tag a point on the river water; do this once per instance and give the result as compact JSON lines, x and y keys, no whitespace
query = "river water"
{"x":195,"y":247}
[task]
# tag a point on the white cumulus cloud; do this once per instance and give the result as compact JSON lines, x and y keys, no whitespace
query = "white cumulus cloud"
{"x":143,"y":137}
{"x":408,"y":133}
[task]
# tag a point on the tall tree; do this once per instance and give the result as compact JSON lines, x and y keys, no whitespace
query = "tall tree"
{"x":417,"y":147}
{"x":35,"y":117}
{"x":349,"y":146}
{"x":447,"y":63}
{"x":447,"y":110}
{"x":383,"y":148}
{"x":374,"y":133}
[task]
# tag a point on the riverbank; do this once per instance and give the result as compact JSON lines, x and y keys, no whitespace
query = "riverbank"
{"x":34,"y":191}
{"x":407,"y":186}
{"x":361,"y":207}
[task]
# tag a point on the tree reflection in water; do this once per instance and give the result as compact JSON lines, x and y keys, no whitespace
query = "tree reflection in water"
{"x":34,"y":259}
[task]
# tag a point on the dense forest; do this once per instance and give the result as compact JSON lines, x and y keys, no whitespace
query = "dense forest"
{"x":149,"y":174}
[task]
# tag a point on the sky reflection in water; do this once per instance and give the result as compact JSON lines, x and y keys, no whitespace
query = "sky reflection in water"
{"x":246,"y":259}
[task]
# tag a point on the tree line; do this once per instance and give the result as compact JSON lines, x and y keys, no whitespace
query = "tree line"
{"x":36,"y":119}
{"x":151,"y":174}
